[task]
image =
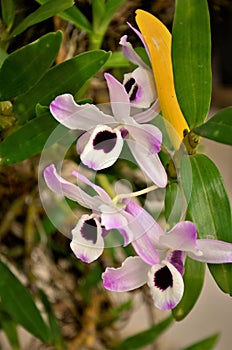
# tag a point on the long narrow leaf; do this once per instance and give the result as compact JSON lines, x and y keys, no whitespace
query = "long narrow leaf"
{"x":23,"y":68}
{"x":49,"y":9}
{"x":205,"y":344}
{"x":30,"y":140}
{"x":193,"y":283}
{"x":9,"y":327}
{"x":73,"y":15}
{"x":146,"y":337}
{"x":19,"y":304}
{"x":67,"y":77}
{"x":191,"y":51}
{"x":209,"y":208}
{"x":8,"y":12}
{"x":218,"y":128}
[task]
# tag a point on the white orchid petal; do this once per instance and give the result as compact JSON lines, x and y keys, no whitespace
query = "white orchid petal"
{"x":82,"y":117}
{"x":146,"y":135}
{"x":119,"y":98}
{"x":103,"y":148}
{"x":149,"y":163}
{"x":181,"y":237}
{"x":87,"y":242}
{"x":140,"y":87}
{"x":137,"y":32}
{"x":149,"y":114}
{"x":100,"y":191}
{"x":213,"y":251}
{"x":59,"y":185}
{"x":166,"y":285}
{"x":131,"y":275}
{"x":130,"y":53}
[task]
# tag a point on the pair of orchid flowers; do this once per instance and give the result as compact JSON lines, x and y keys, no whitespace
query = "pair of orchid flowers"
{"x":160,"y":256}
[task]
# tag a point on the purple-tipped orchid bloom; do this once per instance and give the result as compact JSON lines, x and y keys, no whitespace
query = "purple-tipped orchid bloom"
{"x":160,"y":260}
{"x":139,"y":84}
{"x":100,"y":146}
{"x":88,"y":235}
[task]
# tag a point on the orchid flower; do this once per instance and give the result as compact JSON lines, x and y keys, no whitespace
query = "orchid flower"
{"x":100,"y":146}
{"x":139,"y":84}
{"x":160,"y":260}
{"x":88,"y":235}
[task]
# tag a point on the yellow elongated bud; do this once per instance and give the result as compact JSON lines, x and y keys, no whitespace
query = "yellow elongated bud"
{"x":158,"y":40}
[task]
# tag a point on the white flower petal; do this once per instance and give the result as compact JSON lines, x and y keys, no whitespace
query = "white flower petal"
{"x":130,"y":53}
{"x":140,"y":87}
{"x":103,"y":148}
{"x":166,"y":285}
{"x":59,"y":185}
{"x":149,"y":114}
{"x":74,"y":116}
{"x":131,"y":275}
{"x":181,"y":237}
{"x":146,"y":135}
{"x":87,"y":242}
{"x":119,"y":98}
{"x":213,"y":251}
{"x":149,"y":163}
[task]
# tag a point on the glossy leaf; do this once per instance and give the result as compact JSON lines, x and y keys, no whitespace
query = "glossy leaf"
{"x":73,"y":15}
{"x":49,"y":9}
{"x":117,"y":59}
{"x":205,"y":344}
{"x":23,"y":68}
{"x":144,"y":338}
{"x":193,"y":283}
{"x":67,"y":77}
{"x":30,"y":139}
{"x":218,"y":128}
{"x":173,"y":204}
{"x":19,"y":304}
{"x":8,"y":12}
{"x":209,"y":208}
{"x":158,"y":40}
{"x":191,"y":52}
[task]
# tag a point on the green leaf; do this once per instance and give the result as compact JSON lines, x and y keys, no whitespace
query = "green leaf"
{"x":111,"y":7}
{"x":117,"y":59}
{"x":173,"y":204}
{"x":205,"y":344}
{"x":23,"y":68}
{"x":28,"y":140}
{"x":18,"y":302}
{"x":73,"y":15}
{"x":10,"y":329}
{"x":56,"y":335}
{"x":193,"y":283}
{"x":49,"y":9}
{"x":191,"y":53}
{"x":218,"y":128}
{"x":66,"y":77}
{"x":146,"y":337}
{"x":98,"y":13}
{"x":3,"y":56}
{"x":8,"y":12}
{"x":209,"y":208}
